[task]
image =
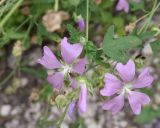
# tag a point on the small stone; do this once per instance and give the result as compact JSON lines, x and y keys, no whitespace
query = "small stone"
{"x":34,"y":95}
{"x":13,"y":124}
{"x":123,"y":124}
{"x":147,"y":50}
{"x":64,"y":125}
{"x":157,"y":98}
{"x":156,"y":60}
{"x":5,"y":110}
{"x":24,"y":81}
{"x":16,"y":111}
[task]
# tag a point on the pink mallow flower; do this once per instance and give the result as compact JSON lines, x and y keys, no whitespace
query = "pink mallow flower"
{"x":81,"y":103}
{"x":124,"y":5}
{"x":126,"y":88}
{"x":81,"y":23}
{"x":71,"y":64}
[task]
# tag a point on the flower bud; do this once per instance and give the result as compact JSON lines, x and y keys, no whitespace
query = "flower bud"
{"x":129,"y":28}
{"x":82,"y":102}
{"x":81,"y":23}
{"x":17,"y":49}
{"x":61,"y":101}
{"x":82,"y":40}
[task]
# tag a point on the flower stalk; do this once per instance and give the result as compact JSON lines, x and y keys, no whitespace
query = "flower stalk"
{"x":5,"y":19}
{"x":56,"y":4}
{"x":62,"y":118}
{"x":87,"y":19}
{"x":150,"y":15}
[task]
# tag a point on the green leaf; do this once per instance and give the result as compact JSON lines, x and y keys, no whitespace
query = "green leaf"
{"x":95,"y":54}
{"x":155,"y":47}
{"x":79,"y":124}
{"x":46,"y":92}
{"x":90,"y":49}
{"x":117,"y":48}
{"x":14,"y":35}
{"x":3,"y":41}
{"x":74,"y":2}
{"x":135,"y":6}
{"x":10,"y":35}
{"x":42,"y":33}
{"x":40,"y":6}
{"x":81,"y":9}
{"x":74,"y":34}
{"x":147,"y":115}
{"x":38,"y":73}
{"x":146,"y":35}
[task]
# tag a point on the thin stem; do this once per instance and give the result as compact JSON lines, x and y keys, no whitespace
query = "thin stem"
{"x":87,"y":19}
{"x":56,"y":4}
{"x":62,"y":118}
{"x":23,"y":23}
{"x":91,"y":67}
{"x":11,"y":74}
{"x":141,"y":18}
{"x":5,"y":19}
{"x":8,"y":77}
{"x":150,"y":15}
{"x":28,"y":31}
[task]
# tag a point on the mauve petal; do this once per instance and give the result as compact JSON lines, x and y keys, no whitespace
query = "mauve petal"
{"x":49,"y":60}
{"x":56,"y":80}
{"x":71,"y":109}
{"x":81,"y":24}
{"x":69,"y":51}
{"x":112,"y":85}
{"x":136,"y":100}
{"x":82,"y":102}
{"x":126,"y":72}
{"x":79,"y":67}
{"x":115,"y":104}
{"x":73,"y":82}
{"x":144,"y":79}
{"x":122,"y":5}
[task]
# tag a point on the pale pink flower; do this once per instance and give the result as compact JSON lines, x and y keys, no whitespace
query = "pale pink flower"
{"x":81,"y":103}
{"x":124,"y":5}
{"x":81,"y":23}
{"x":127,"y":87}
{"x":71,"y":64}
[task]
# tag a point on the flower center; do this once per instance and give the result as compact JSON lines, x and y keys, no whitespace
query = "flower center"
{"x":66,"y":69}
{"x":126,"y":89}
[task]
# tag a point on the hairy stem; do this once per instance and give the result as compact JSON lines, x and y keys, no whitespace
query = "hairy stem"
{"x":11,"y":74}
{"x":5,"y":19}
{"x":150,"y":15}
{"x":87,"y":19}
{"x":56,"y":4}
{"x":62,"y":118}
